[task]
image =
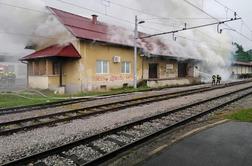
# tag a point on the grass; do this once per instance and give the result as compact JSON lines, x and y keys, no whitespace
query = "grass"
{"x":243,"y":115}
{"x":25,"y":98}
{"x":14,"y":100}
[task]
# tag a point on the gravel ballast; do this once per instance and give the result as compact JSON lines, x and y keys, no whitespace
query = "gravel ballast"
{"x":21,"y":144}
{"x":17,"y":116}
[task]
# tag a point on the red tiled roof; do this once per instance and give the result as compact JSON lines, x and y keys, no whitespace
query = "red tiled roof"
{"x":67,"y":51}
{"x":84,"y":28}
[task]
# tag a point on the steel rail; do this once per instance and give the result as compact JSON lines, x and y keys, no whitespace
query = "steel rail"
{"x":92,"y":110}
{"x":35,"y":122}
{"x":13,"y":110}
{"x":35,"y":157}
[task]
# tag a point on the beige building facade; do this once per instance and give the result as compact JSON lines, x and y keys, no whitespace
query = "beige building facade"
{"x":94,"y":65}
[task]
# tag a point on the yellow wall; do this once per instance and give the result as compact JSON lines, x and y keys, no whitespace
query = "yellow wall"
{"x":80,"y":74}
{"x":241,"y":69}
{"x":163,"y":73}
{"x":91,"y":52}
{"x":38,"y":82}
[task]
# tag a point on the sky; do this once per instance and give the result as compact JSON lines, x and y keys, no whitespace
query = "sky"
{"x":25,"y":21}
{"x":243,"y":9}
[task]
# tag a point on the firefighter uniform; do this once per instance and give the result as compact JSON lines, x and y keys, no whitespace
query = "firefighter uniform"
{"x":213,"y":80}
{"x":218,"y":79}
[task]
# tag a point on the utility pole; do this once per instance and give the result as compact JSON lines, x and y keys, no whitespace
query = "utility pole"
{"x":135,"y":52}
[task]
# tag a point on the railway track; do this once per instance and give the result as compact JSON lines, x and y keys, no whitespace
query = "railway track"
{"x":99,"y":148}
{"x":10,"y":127}
{"x":4,"y":111}
{"x":20,"y":109}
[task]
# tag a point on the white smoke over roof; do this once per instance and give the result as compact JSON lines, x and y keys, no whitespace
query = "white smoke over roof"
{"x":205,"y":44}
{"x":29,"y":22}
{"x":43,"y":29}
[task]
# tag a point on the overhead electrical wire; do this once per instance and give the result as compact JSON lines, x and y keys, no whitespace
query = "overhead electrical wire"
{"x":189,"y":28}
{"x":106,"y":15}
{"x":49,"y":13}
{"x":82,"y":8}
{"x":120,"y":6}
{"x":195,"y":6}
{"x":243,"y":21}
{"x":42,"y":12}
{"x":158,"y":17}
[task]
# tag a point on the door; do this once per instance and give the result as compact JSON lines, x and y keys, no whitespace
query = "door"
{"x":182,"y":70}
{"x":153,"y":71}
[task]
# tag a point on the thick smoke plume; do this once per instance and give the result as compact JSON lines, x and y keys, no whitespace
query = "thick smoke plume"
{"x":213,"y":49}
{"x":40,"y":27}
{"x":29,"y":22}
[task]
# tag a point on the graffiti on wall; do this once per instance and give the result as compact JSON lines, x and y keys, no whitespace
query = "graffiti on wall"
{"x":112,"y":78}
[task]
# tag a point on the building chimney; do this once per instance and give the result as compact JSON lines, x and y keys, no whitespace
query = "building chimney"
{"x":94,"y":19}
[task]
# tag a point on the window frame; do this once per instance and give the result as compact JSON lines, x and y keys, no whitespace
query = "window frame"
{"x":102,"y":66}
{"x":30,"y":68}
{"x":124,"y":67}
{"x":36,"y":68}
{"x":57,"y":71}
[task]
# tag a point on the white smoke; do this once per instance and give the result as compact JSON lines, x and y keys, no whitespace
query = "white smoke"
{"x":213,"y":49}
{"x":43,"y":29}
{"x":17,"y":24}
{"x":53,"y":32}
{"x":29,"y":22}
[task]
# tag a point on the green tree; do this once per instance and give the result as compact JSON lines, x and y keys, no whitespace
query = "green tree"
{"x":241,"y":55}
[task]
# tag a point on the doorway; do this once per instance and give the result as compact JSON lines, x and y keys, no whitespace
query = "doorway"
{"x":182,"y":70}
{"x":153,"y":71}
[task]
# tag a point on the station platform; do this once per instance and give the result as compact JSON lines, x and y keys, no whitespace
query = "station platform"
{"x":228,"y":144}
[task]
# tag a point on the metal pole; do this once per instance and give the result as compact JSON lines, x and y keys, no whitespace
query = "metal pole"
{"x":61,"y":73}
{"x":135,"y":52}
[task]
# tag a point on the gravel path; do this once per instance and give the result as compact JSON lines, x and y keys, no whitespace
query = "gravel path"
{"x":20,"y":144}
{"x":17,"y":116}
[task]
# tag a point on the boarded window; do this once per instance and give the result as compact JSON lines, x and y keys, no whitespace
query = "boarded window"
{"x":102,"y":67}
{"x":30,"y":68}
{"x":56,"y":68}
{"x":125,"y":67}
{"x":36,"y":68}
{"x":42,"y":67}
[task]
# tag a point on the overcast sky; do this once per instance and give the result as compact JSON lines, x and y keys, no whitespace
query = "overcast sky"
{"x":10,"y":42}
{"x":243,"y":8}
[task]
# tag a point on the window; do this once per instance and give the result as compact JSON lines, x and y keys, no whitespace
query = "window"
{"x":30,"y":68}
{"x":125,"y":67}
{"x":56,"y":68}
{"x":101,"y":67}
{"x":36,"y":68}
{"x":42,"y":67}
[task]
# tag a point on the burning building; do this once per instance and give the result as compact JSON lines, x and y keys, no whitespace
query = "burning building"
{"x":98,"y":61}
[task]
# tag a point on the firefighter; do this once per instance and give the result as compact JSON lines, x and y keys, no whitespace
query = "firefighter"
{"x":11,"y":78}
{"x":1,"y":75}
{"x":218,"y":79}
{"x":213,"y":80}
{"x":1,"y":78}
{"x":4,"y":79}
